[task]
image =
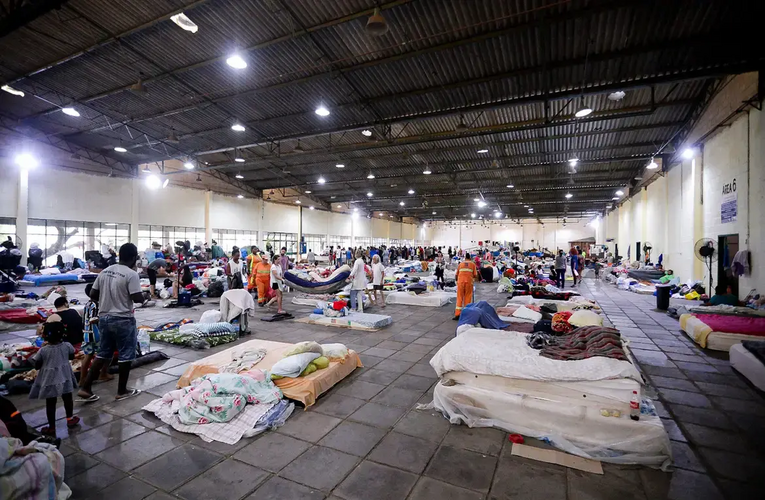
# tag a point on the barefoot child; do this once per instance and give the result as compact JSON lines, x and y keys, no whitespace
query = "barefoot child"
{"x":55,"y":378}
{"x":91,"y":338}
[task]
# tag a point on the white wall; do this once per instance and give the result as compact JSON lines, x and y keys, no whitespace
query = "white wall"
{"x":9,"y":182}
{"x":529,"y":234}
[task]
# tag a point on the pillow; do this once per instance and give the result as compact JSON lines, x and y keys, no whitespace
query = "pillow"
{"x":301,"y":347}
{"x":292,"y":366}
{"x":524,"y":312}
{"x":585,"y":318}
{"x":334,"y":351}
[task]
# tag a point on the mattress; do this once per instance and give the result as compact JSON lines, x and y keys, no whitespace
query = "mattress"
{"x":576,"y":427}
{"x":748,"y":365}
{"x":302,"y":389}
{"x":563,"y":305}
{"x":506,"y":354}
{"x":39,"y":279}
{"x":703,"y":335}
{"x":335,"y":282}
{"x":426,"y":299}
{"x":645,"y":275}
{"x":353,"y":320}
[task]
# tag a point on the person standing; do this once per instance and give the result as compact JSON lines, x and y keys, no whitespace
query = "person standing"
{"x":115,"y":290}
{"x":439,"y":272}
{"x":157,"y":267}
{"x":339,"y":256}
{"x":234,"y":271}
{"x":277,"y":283}
{"x":467,"y":273}
{"x":574,"y":253}
{"x":252,"y":263}
{"x":358,"y":279}
{"x":311,"y":257}
{"x":560,"y":269}
{"x":262,"y":274}
{"x":378,"y":270}
{"x":348,"y":255}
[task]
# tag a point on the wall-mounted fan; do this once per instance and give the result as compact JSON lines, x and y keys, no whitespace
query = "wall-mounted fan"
{"x":706,"y":251}
{"x":647,"y":246}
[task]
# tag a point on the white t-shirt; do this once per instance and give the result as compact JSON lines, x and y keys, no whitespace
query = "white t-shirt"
{"x":235,"y":267}
{"x":116,"y":284}
{"x":278,"y":269}
{"x":377,"y":273}
{"x":358,"y":275}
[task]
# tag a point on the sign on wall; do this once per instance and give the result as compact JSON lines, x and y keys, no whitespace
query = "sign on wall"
{"x":729,"y":202}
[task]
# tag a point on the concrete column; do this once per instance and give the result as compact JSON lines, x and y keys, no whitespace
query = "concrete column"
{"x":22,"y":214}
{"x":208,"y":226}
{"x":135,"y":211}
{"x":300,"y":233}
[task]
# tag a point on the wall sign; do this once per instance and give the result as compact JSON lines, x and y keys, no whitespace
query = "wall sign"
{"x":729,"y":203}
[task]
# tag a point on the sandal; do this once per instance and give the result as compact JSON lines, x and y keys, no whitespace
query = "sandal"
{"x":48,"y":431}
{"x":73,"y":422}
{"x":129,"y":394}
{"x":90,"y":399}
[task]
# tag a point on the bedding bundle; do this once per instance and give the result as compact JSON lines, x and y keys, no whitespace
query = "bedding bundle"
{"x":586,"y":342}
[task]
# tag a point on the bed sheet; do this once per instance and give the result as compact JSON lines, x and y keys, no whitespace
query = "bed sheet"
{"x":39,"y":279}
{"x":748,"y":365}
{"x":353,"y":319}
{"x":703,"y":335}
{"x":427,"y":299}
{"x":303,"y":389}
{"x":506,"y":354}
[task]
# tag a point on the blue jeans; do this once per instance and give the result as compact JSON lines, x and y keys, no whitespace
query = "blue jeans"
{"x":354,"y":298}
{"x":118,"y":333}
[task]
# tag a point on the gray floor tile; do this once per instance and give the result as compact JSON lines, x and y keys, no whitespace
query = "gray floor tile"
{"x":425,"y":424}
{"x":145,"y":418}
{"x":369,"y":361}
{"x":724,"y":390}
{"x":225,"y":481}
{"x":93,"y":480}
{"x":338,"y":405}
{"x":409,"y":356}
{"x":413,"y":382}
{"x":350,"y":437}
{"x":137,"y":451}
{"x":379,"y":352}
{"x":734,"y":466}
{"x":673,"y":431}
{"x":360,"y":389}
{"x":107,"y":435}
{"x":378,"y":415}
{"x":126,"y":406}
{"x":279,"y":488}
{"x":739,"y":406}
{"x":395,"y":396}
{"x":702,"y":416}
{"x":320,"y":467}
{"x":673,"y":383}
{"x":376,"y":376}
{"x":393,"y":365}
{"x":683,"y":457}
{"x":309,"y":426}
{"x":430,"y":489}
{"x":686,"y":485}
{"x":423,"y":370}
{"x":177,"y":370}
{"x":272,"y":451}
{"x":715,"y":438}
{"x":404,"y":452}
{"x":164,"y":365}
{"x":685,"y":398}
{"x":585,"y":486}
{"x":517,"y":479}
{"x":128,"y":488}
{"x":479,"y":439}
{"x":391,"y":344}
{"x":76,"y":463}
{"x":462,"y":468}
{"x":371,"y":481}
{"x":174,"y":468}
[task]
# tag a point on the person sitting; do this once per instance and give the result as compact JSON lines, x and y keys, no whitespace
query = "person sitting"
{"x":723,"y":296}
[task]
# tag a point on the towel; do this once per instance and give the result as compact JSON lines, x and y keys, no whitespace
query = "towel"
{"x":741,"y":263}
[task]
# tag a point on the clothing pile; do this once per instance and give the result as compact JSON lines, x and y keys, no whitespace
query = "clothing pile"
{"x":560,"y":322}
{"x":586,"y":342}
{"x":195,"y":335}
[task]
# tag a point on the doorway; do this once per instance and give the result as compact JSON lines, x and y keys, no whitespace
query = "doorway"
{"x":638,"y":255}
{"x":727,"y":246}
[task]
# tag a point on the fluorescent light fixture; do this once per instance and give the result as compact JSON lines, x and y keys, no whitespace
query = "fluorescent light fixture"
{"x":688,"y":153}
{"x":497,"y":214}
{"x":184,"y":22}
{"x":311,"y":207}
{"x":653,"y":165}
{"x":411,"y":191}
{"x":369,"y":194}
{"x":321,"y":180}
{"x":146,"y":169}
{"x":188,"y":165}
{"x":366,"y":132}
{"x":525,"y":206}
{"x":371,"y":175}
{"x":240,"y":196}
{"x":434,"y":213}
{"x":573,"y":161}
{"x":298,"y":202}
{"x":165,"y":183}
{"x":70,"y":112}
{"x":238,"y":127}
{"x":322,"y":110}
{"x":481,"y":204}
{"x":510,"y":186}
{"x":472,"y":215}
{"x":482,"y":151}
{"x":476,"y":200}
{"x":355,"y":209}
{"x":236,"y":61}
{"x":616,"y":96}
{"x":239,"y":176}
{"x":620,"y":193}
{"x":401,"y":203}
{"x":615,"y":198}
{"x":308,"y":191}
{"x":569,"y":196}
{"x":153,"y":182}
{"x":339,"y":206}
{"x":381,"y":214}
{"x":339,"y":165}
{"x":583,"y":112}
{"x":120,"y":149}
{"x":427,"y":171}
{"x":26,"y":161}
{"x":12,"y":91}
{"x":239,"y":160}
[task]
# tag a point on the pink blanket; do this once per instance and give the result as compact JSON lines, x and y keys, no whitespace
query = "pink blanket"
{"x":733,"y":324}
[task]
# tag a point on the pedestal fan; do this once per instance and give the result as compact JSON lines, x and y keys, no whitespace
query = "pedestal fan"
{"x":706,"y":252}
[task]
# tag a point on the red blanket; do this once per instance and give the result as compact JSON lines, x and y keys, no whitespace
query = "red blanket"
{"x":734,"y":324}
{"x":19,"y":316}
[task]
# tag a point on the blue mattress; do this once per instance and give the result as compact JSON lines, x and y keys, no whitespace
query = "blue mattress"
{"x":331,"y":286}
{"x":39,"y":279}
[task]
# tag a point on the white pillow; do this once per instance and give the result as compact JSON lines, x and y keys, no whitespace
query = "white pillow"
{"x":524,"y":312}
{"x":585,"y":318}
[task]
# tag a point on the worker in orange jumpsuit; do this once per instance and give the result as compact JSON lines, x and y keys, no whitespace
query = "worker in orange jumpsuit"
{"x":262,"y":273}
{"x":252,"y":261}
{"x":467,"y":273}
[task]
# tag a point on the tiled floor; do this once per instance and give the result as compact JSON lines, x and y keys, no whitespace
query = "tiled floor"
{"x":364,"y":439}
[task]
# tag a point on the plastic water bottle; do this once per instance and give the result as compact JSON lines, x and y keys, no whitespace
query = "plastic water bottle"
{"x":635,"y":406}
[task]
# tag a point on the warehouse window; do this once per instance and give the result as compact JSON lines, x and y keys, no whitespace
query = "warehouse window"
{"x":279,"y":240}
{"x":75,"y":237}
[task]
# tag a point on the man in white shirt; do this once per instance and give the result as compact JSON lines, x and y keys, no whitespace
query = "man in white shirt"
{"x":311,"y":257}
{"x":358,"y":279}
{"x":277,"y":283}
{"x":377,"y":280}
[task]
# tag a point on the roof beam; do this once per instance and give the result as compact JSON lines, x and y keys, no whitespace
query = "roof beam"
{"x":23,"y":13}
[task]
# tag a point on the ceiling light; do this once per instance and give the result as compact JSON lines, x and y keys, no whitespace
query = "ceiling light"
{"x":583,"y":112}
{"x":236,"y":61}
{"x":138,"y":87}
{"x":688,"y":153}
{"x":569,"y":196}
{"x":184,"y":22}
{"x":339,"y":165}
{"x":238,"y":127}
{"x":321,"y":180}
{"x":308,"y":191}
{"x":12,"y":91}
{"x":461,"y":127}
{"x":472,"y":215}
{"x":434,"y":213}
{"x":165,"y":183}
{"x":239,"y":160}
{"x":381,"y":214}
{"x":482,"y":151}
{"x":120,"y":149}
{"x":366,"y":132}
{"x":525,"y":206}
{"x":369,"y":195}
{"x":376,"y":24}
{"x":188,"y":165}
{"x":70,"y":111}
{"x":371,"y":175}
{"x":240,"y":196}
{"x":427,"y":171}
{"x":620,"y":193}
{"x":298,"y":148}
{"x":146,"y":169}
{"x":653,"y":165}
{"x":573,"y":161}
{"x":476,"y":200}
{"x":339,"y":206}
{"x":26,"y":161}
{"x":153,"y":182}
{"x":481,"y":204}
{"x":172,"y":138}
{"x":401,"y":203}
{"x":322,"y":110}
{"x":355,"y":209}
{"x":615,"y":198}
{"x":616,"y":96}
{"x":239,"y":176}
{"x":411,"y":191}
{"x":298,"y":202}
{"x":497,"y":214}
{"x":311,"y":207}
{"x":510,"y":186}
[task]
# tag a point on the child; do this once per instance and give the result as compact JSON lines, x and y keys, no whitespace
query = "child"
{"x":377,"y":280}
{"x":55,"y":377}
{"x":91,"y":338}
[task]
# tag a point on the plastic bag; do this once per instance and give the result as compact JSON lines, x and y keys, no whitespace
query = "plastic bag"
{"x":335,"y":351}
{"x":144,"y":342}
{"x":301,"y":347}
{"x":212,"y":316}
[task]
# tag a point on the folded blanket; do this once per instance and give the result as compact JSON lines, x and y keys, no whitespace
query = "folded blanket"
{"x":32,"y":472}
{"x":587,"y":342}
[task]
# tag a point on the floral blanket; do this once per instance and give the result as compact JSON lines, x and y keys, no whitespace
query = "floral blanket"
{"x":33,"y":472}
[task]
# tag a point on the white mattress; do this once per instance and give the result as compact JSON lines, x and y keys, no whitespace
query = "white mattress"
{"x":579,"y":429}
{"x":748,"y":365}
{"x":563,"y":305}
{"x":425,"y":299}
{"x":717,"y":341}
{"x":353,"y":320}
{"x":506,"y":354}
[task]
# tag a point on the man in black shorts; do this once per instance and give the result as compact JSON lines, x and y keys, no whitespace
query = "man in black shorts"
{"x":156,"y":268}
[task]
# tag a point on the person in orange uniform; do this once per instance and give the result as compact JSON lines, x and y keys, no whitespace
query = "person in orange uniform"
{"x":252,"y":261}
{"x":262,"y":273}
{"x":467,"y":273}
